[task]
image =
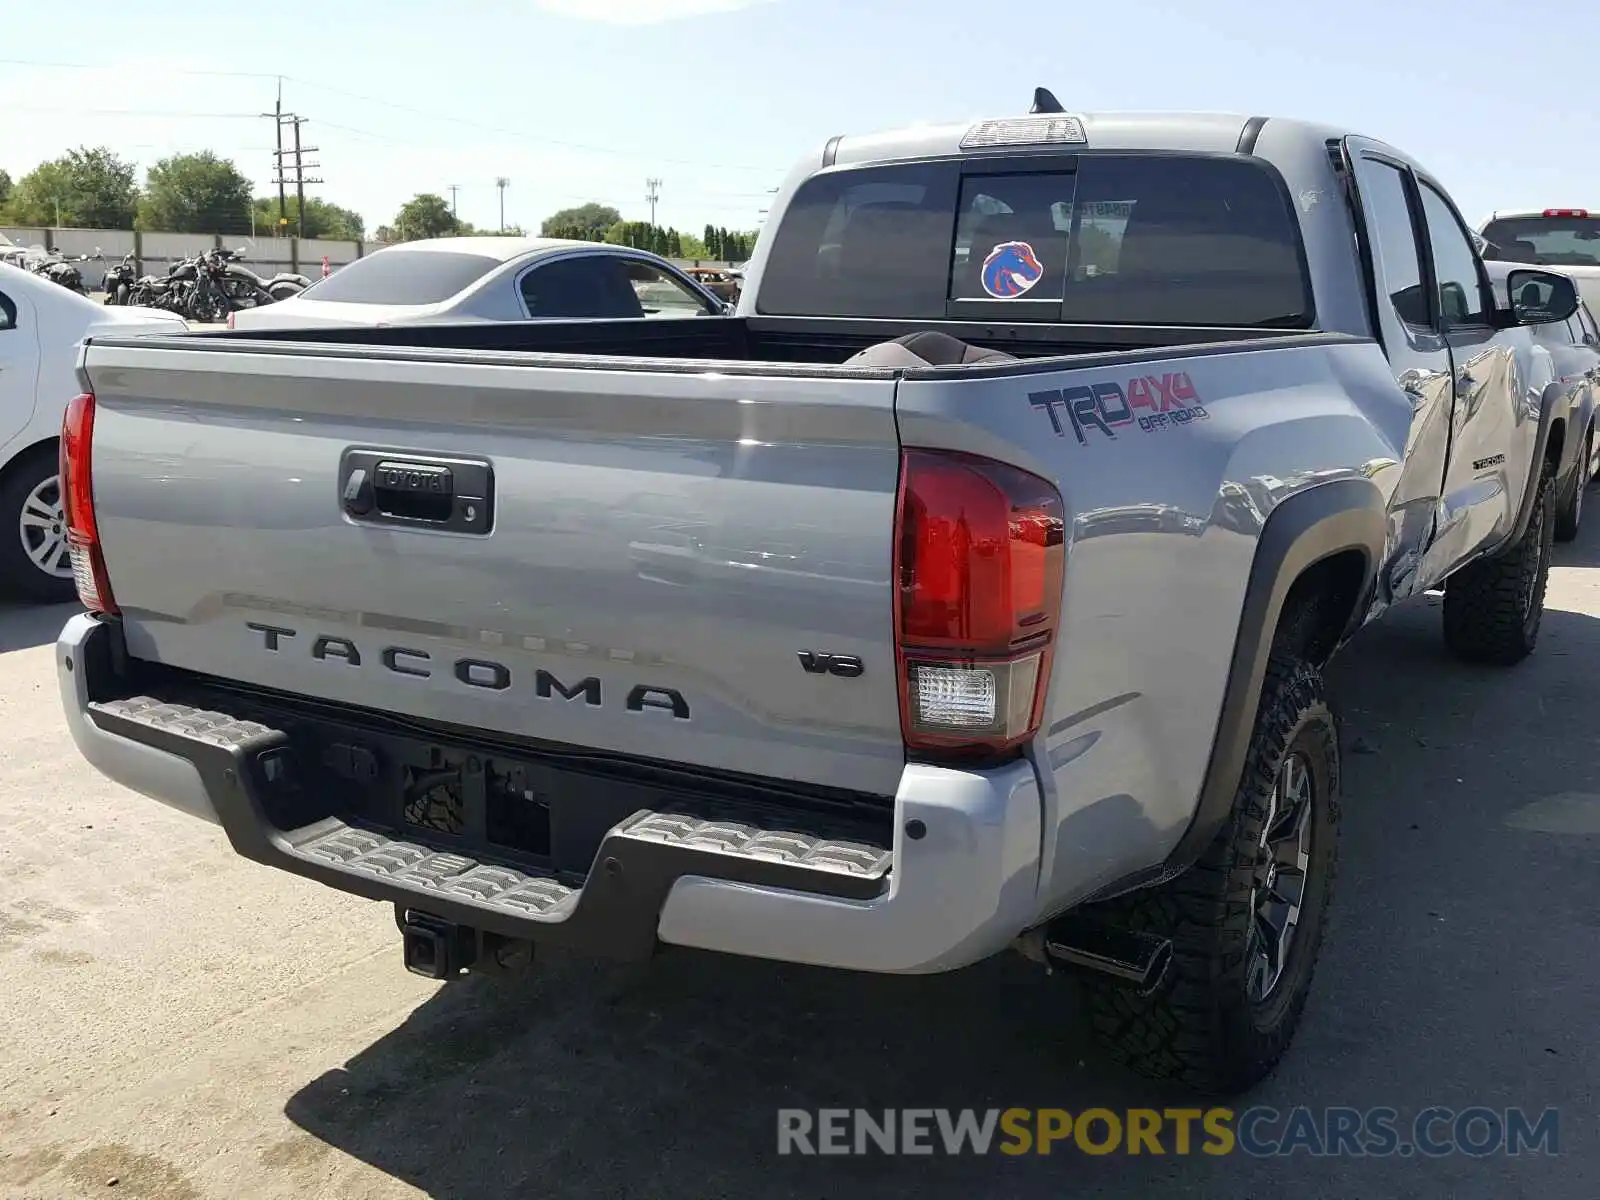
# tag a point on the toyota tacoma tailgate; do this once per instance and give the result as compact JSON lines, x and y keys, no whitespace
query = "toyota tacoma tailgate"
{"x":679,"y":565}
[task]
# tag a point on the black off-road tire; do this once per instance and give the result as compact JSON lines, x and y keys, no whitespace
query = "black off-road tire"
{"x":1493,"y":607}
{"x":1202,"y":1027}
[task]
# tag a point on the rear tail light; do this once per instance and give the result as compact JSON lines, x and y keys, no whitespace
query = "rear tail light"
{"x":77,"y":497}
{"x":980,"y":555}
{"x":1566,"y":212}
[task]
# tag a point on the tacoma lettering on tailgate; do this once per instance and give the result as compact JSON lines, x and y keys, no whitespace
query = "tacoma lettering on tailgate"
{"x":470,"y":672}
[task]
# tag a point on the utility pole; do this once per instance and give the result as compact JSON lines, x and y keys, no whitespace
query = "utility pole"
{"x":280,"y":119}
{"x":300,"y":180}
{"x":652,"y":193}
{"x":502,"y":183}
{"x":454,"y":220}
{"x":276,"y":116}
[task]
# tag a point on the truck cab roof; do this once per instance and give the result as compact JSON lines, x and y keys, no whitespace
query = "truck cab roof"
{"x":1195,"y":132}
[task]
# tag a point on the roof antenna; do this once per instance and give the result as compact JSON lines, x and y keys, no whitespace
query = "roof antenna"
{"x":1044,"y":102}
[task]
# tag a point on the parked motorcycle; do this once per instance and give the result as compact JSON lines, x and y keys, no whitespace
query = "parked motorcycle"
{"x":203,"y":287}
{"x":57,"y":268}
{"x":204,"y":297}
{"x":169,"y":291}
{"x":278,"y":287}
{"x":119,"y":281}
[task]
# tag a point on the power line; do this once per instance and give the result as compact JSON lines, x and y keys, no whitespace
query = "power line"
{"x":75,"y":66}
{"x":129,"y":112}
{"x":429,"y":113}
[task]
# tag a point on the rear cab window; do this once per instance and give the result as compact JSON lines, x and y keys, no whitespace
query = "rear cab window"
{"x":1108,"y":238}
{"x":403,"y":276}
{"x":1558,"y":238}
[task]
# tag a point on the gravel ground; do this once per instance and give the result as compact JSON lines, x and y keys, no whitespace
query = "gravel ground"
{"x":177,"y":1023}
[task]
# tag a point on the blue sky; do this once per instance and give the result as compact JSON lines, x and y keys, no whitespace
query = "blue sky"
{"x":585,"y":99}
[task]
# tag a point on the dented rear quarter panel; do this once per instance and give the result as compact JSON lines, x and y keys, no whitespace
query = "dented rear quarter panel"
{"x":1166,"y":500}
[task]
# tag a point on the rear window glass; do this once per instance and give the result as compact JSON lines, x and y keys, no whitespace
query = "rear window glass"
{"x":1122,"y":239}
{"x":403,"y":277}
{"x":1545,"y":241}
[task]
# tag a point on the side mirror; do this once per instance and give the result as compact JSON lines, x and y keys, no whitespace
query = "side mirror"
{"x":1540,"y":297}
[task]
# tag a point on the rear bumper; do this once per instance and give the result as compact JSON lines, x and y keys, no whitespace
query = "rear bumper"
{"x":957,"y":884}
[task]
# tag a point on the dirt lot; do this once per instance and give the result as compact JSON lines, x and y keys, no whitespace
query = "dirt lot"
{"x":176,"y":1023}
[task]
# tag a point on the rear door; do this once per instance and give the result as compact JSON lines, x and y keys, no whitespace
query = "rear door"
{"x":1391,"y":216}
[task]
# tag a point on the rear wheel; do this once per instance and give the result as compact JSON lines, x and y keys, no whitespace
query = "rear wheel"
{"x":33,"y":533}
{"x":1246,"y":921}
{"x":1493,"y":607}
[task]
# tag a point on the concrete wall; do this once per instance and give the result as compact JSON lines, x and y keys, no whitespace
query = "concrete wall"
{"x":155,"y":252}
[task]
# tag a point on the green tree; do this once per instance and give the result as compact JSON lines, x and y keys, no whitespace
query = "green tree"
{"x":593,"y":218}
{"x":425,"y":215}
{"x":641,"y":235}
{"x":5,"y":187}
{"x":674,"y":244}
{"x":88,"y":188}
{"x":576,"y":233}
{"x":733,"y":245}
{"x":691,"y":246}
{"x":323,"y":220}
{"x":195,"y":193}
{"x":713,"y":242}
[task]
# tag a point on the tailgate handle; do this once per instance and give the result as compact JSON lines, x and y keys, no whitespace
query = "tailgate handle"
{"x":415,"y":491}
{"x":449,"y":494}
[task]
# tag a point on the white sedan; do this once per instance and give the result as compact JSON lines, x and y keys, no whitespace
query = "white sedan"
{"x":41,"y":327}
{"x":490,"y":279}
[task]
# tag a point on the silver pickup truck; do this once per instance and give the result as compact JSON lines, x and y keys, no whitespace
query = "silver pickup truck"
{"x":968,"y":589}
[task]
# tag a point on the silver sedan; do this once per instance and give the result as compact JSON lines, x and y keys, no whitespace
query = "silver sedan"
{"x":490,"y":279}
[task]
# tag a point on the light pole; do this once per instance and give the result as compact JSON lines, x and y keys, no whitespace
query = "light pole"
{"x":502,"y":183}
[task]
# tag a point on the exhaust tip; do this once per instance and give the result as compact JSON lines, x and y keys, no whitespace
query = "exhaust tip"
{"x":1088,"y":943}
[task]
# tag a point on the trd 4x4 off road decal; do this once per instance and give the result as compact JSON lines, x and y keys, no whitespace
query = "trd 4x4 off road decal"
{"x":1165,"y":400}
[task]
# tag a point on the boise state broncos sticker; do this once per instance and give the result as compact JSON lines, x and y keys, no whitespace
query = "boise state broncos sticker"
{"x":1010,"y":270}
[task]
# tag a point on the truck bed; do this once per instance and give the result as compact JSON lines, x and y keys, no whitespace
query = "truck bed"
{"x":736,"y":340}
{"x":672,"y":553}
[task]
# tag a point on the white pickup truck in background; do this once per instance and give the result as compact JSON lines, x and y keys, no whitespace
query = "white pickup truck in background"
{"x":1565,"y":239}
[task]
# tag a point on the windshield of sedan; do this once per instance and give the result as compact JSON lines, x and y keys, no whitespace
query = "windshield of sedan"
{"x":1569,"y":241}
{"x":401,"y":276}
